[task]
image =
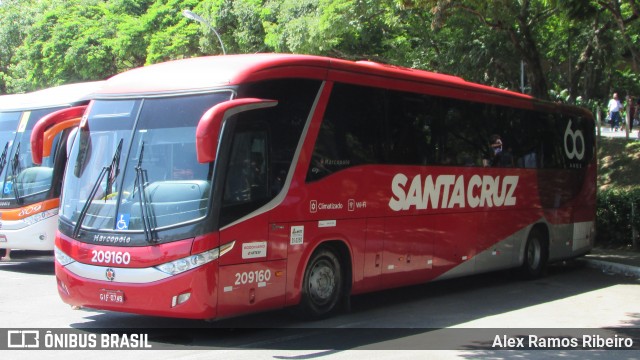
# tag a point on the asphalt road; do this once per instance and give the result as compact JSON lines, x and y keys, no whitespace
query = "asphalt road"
{"x":450,"y":319}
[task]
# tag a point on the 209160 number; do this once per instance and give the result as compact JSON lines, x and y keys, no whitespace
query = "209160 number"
{"x":251,"y":277}
{"x":110,"y":257}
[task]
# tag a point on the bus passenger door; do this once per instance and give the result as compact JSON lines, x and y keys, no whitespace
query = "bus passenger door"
{"x":252,"y":274}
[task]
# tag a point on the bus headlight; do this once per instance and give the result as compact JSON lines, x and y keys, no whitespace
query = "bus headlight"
{"x":193,"y":261}
{"x":62,"y":258}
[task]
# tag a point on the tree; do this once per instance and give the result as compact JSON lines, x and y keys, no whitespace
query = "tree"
{"x":572,"y":49}
{"x":605,"y":53}
{"x":17,"y":16}
{"x":129,"y":43}
{"x":64,"y":44}
{"x":239,"y":23}
{"x":351,"y":29}
{"x":169,"y":35}
{"x":518,"y":21}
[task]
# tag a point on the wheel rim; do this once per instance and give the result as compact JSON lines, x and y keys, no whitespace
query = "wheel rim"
{"x":534,"y":253}
{"x":322,"y":282}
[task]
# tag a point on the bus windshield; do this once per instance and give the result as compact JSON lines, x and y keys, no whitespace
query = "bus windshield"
{"x":133,"y":165}
{"x":22,"y":180}
{"x":8,"y":125}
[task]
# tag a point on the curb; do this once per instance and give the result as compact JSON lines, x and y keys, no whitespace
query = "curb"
{"x":614,"y":268}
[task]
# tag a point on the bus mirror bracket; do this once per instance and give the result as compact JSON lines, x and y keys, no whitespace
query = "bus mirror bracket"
{"x":45,"y":130}
{"x":210,"y":125}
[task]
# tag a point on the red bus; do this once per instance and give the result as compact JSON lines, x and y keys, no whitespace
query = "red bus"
{"x":217,"y":186}
{"x":31,"y":182}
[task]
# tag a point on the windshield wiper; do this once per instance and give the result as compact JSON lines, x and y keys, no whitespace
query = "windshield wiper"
{"x":15,"y":169}
{"x":3,"y":157}
{"x":113,"y":170}
{"x":146,"y":215}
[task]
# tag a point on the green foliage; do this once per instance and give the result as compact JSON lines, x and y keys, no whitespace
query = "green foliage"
{"x":245,"y":26}
{"x":575,"y":51}
{"x":618,"y":211}
{"x":572,"y":49}
{"x":16,"y":18}
{"x":79,"y":40}
{"x":168,"y":34}
{"x":618,"y":201}
{"x":65,"y":44}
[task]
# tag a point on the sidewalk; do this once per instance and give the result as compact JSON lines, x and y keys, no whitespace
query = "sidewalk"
{"x":614,"y":261}
{"x":606,"y":132}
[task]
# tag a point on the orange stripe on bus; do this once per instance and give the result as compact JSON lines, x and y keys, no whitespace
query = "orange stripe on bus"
{"x":26,"y":211}
{"x":51,"y":133}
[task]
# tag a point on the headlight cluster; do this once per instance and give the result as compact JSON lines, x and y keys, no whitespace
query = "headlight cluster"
{"x":172,"y":268}
{"x":62,"y":258}
{"x":40,"y":216}
{"x":193,"y":261}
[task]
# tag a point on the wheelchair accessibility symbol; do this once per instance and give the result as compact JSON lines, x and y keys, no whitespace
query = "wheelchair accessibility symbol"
{"x":123,"y":222}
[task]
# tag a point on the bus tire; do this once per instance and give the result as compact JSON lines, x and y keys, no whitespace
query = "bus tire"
{"x":322,"y":286}
{"x":535,"y":255}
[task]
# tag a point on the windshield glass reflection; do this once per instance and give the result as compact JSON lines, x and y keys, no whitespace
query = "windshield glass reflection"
{"x":133,"y":165}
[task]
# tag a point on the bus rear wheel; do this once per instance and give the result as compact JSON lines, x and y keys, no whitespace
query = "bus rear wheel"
{"x":322,"y":285}
{"x":535,"y":255}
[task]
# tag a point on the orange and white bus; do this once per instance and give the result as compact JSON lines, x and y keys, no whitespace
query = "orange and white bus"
{"x":30,"y":191}
{"x":8,"y":125}
{"x":217,"y":186}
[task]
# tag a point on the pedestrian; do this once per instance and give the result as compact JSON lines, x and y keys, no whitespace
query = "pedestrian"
{"x":614,"y":112}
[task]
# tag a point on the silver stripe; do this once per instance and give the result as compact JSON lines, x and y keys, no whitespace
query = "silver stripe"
{"x":13,"y":224}
{"x":166,"y":94}
{"x":22,"y":223}
{"x":122,"y":275}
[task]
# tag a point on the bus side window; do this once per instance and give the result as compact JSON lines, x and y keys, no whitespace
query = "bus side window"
{"x":411,"y":130}
{"x":264,"y":145}
{"x":246,"y":186}
{"x":351,"y":132}
{"x":461,"y":133}
{"x":246,"y":175}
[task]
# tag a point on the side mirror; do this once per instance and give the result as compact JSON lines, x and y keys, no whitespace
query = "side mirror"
{"x":210,"y":125}
{"x":46,"y":129}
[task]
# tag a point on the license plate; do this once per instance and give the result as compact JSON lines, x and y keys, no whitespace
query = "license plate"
{"x":111,"y":296}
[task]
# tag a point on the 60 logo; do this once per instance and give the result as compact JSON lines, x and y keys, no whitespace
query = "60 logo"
{"x":576,"y":141}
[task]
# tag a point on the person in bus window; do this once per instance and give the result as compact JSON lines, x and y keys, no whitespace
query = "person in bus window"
{"x":497,"y":156}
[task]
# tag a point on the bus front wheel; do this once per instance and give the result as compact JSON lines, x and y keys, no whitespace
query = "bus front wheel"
{"x":535,"y":255}
{"x":322,"y":285}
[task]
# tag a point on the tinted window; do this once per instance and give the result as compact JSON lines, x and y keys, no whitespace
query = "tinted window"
{"x":376,"y":126}
{"x":262,"y":145}
{"x":351,"y":131}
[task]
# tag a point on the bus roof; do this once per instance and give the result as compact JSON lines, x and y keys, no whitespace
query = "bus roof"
{"x":207,"y":73}
{"x":63,"y":95}
{"x":69,"y":94}
{"x":11,"y":101}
